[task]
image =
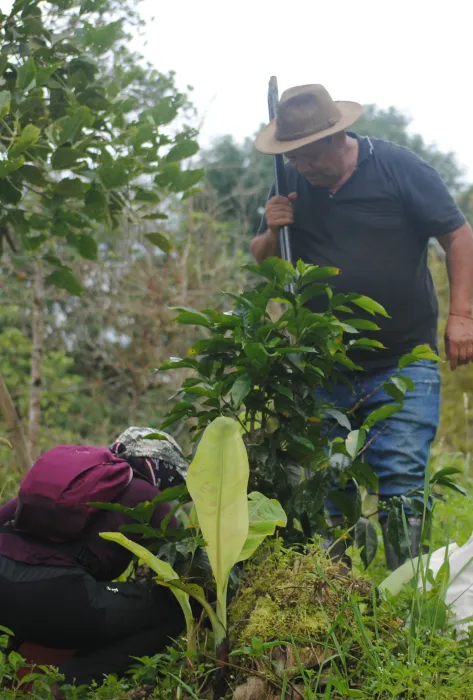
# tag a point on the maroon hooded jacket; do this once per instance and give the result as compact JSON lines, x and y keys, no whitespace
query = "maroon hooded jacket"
{"x":111,"y":558}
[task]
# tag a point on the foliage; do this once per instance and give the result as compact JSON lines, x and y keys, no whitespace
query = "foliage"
{"x":237,"y":181}
{"x":265,"y":373}
{"x":217,"y":481}
{"x":368,"y":652}
{"x":218,"y":484}
{"x":85,"y":135}
{"x":393,"y":125}
{"x":60,"y":384}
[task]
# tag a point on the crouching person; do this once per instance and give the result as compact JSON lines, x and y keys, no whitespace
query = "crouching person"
{"x":57,"y":574}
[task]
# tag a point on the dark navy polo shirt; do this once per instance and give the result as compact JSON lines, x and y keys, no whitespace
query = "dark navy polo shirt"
{"x":376,"y":229}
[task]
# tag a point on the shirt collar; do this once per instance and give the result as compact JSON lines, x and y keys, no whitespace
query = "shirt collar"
{"x":365,"y":146}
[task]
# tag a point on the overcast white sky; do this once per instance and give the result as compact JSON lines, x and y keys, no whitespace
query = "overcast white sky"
{"x":414,"y":54}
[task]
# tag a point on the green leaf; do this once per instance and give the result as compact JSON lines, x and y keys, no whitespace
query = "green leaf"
{"x":274,"y":268}
{"x":9,"y":166}
{"x":160,"y":241}
{"x":153,"y":217}
{"x":362,"y":324}
{"x":401,"y":381}
{"x":265,"y":515}
{"x":103,"y":37}
{"x":43,"y":74}
{"x":64,"y":279}
{"x":355,"y":442}
{"x":396,"y":387}
{"x":174,"y":493}
{"x":370,"y":306}
{"x":425,"y":352}
{"x":380,"y":414}
{"x":33,"y":175}
{"x":28,"y":137}
{"x":151,"y":196}
{"x":5,"y":99}
{"x":364,"y":475}
{"x":256,"y":352}
{"x":164,"y":570}
{"x":450,"y":484}
{"x":396,"y":534}
{"x":26,"y":73}
{"x":366,"y":343}
{"x":164,"y":111}
{"x":86,"y":246}
{"x":53,"y":260}
{"x":182,"y":149}
{"x":315,"y":273}
{"x":68,"y":127}
{"x":346,"y":505}
{"x":64,"y":157}
{"x":179,"y":363}
{"x":240,"y":389}
{"x":301,"y":440}
{"x":421,"y":352}
{"x":313,"y":290}
{"x":191,"y":317}
{"x":70,"y":187}
{"x":285,"y":391}
{"x":340,"y":417}
{"x":366,"y":539}
{"x":115,"y":175}
{"x":217,"y":481}
{"x":447,"y":471}
{"x":9,"y":193}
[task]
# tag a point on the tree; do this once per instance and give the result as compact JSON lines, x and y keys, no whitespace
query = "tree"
{"x":88,"y":140}
{"x":85,"y":134}
{"x":392,"y":125}
{"x":238,"y":179}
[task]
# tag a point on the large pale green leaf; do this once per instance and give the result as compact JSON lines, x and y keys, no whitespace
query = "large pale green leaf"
{"x":218,"y":483}
{"x":265,"y":515}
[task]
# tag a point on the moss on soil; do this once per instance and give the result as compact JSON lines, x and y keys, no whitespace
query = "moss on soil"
{"x":287,"y":594}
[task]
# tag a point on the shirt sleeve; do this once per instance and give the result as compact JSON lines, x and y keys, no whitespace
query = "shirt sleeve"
{"x":7,"y":511}
{"x":428,"y":201}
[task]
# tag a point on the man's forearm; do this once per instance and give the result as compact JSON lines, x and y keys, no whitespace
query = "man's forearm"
{"x":459,"y":257}
{"x":265,"y":246}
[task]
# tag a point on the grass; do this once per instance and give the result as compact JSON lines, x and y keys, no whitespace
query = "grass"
{"x":367,"y":653}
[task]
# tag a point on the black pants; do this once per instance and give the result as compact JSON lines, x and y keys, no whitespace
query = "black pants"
{"x":66,"y":608}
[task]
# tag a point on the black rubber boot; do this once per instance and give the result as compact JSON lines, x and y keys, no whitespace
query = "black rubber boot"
{"x":414,"y":526}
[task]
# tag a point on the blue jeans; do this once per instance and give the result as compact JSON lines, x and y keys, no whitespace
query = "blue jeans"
{"x":399,"y":446}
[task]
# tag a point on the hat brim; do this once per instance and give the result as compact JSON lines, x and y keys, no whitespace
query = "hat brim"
{"x":266,"y":141}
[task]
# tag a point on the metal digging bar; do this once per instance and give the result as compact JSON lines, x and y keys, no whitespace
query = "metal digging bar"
{"x":279,"y":171}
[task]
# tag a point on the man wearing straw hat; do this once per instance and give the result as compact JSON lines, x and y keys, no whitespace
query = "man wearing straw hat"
{"x":370,"y":207}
